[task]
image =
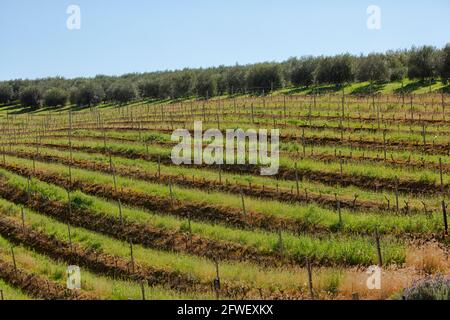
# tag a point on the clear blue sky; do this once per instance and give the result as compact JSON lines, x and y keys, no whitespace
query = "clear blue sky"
{"x":119,"y":36}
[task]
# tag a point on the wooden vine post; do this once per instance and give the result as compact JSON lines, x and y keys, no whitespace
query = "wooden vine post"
{"x":70,"y":136}
{"x":444,"y":213}
{"x":22,"y":213}
{"x":397,"y":208}
{"x":310,"y":279}
{"x":243,"y":203}
{"x":14,"y":259}
{"x":132,"y":256}
{"x":70,"y":216}
{"x":159,"y":167}
{"x":444,"y":206}
{"x":303,"y":142}
{"x":142,"y":289}
{"x":190,"y":228}
{"x":29,"y":190}
{"x":113,"y":172}
{"x":338,"y":206}
{"x":217,"y":280}
{"x":171,"y":193}
{"x":120,"y":212}
{"x":377,"y":239}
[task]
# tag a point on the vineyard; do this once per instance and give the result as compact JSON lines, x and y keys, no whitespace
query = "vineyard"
{"x":364,"y":180}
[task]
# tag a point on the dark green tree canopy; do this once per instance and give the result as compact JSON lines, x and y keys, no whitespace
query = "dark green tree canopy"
{"x":206,"y":85}
{"x":417,"y":63}
{"x":6,"y":93}
{"x":31,"y":97}
{"x":122,"y":91}
{"x":445,"y":64}
{"x":302,"y":71}
{"x":149,"y":88}
{"x":335,"y":70}
{"x":373,"y":68}
{"x":264,"y":77}
{"x":183,"y":84}
{"x":55,"y":97}
{"x":423,"y":63}
{"x":397,"y":61}
{"x":235,"y":79}
{"x":87,"y":94}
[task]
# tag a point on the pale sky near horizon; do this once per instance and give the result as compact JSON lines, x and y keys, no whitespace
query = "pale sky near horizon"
{"x":118,"y":36}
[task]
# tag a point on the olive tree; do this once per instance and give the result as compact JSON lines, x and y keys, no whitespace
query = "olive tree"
{"x":121,"y":92}
{"x":6,"y":93}
{"x":397,"y":62}
{"x":302,"y":71}
{"x":182,"y":84}
{"x":264,"y":77}
{"x":444,"y":69}
{"x":31,"y":97}
{"x":88,"y":94}
{"x":55,"y":97}
{"x":335,"y":70}
{"x":149,"y":88}
{"x":373,"y":68}
{"x":422,"y":63}
{"x":205,"y":85}
{"x":235,"y":79}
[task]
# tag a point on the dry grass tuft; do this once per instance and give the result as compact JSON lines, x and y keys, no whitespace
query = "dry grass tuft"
{"x":392,"y":281}
{"x":428,"y":259}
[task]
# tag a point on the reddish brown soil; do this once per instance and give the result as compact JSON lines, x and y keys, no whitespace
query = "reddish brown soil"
{"x":330,"y":178}
{"x":266,"y":192}
{"x":37,"y":286}
{"x":201,"y":211}
{"x":414,"y":164}
{"x":146,"y":235}
{"x":106,"y":264}
{"x":118,"y":267}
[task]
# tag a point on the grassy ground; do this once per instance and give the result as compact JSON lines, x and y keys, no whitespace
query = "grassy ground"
{"x":340,"y":249}
{"x":11,"y":293}
{"x":143,"y":129}
{"x":311,"y":214}
{"x":99,"y":286}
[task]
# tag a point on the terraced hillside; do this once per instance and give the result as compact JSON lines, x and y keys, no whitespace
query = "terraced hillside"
{"x":363,"y":180}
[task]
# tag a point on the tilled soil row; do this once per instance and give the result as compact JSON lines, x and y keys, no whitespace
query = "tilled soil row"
{"x":255,"y":191}
{"x":141,"y":123}
{"x":419,"y":118}
{"x":428,"y":148}
{"x":105,"y":264}
{"x":280,"y":123}
{"x":413,"y":164}
{"x":37,"y":286}
{"x":329,"y":178}
{"x":183,"y":209}
{"x":148,"y":236}
{"x":283,"y":123}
